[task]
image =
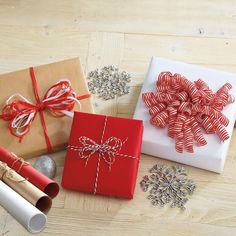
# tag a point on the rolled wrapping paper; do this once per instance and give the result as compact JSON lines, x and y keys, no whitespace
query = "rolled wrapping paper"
{"x":23,"y":187}
{"x":39,"y":180}
{"x":24,"y":212}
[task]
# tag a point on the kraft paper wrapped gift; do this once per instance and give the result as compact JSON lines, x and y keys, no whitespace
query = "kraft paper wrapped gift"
{"x":58,"y":128}
{"x":155,"y":140}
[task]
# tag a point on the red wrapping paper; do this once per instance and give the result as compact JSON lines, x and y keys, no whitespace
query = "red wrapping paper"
{"x":120,"y":179}
{"x":41,"y":181}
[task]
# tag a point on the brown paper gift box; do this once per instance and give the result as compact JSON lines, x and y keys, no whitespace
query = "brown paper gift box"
{"x":58,"y":128}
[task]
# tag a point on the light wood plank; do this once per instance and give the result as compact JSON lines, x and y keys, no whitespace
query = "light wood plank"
{"x":188,"y":49}
{"x":191,"y":18}
{"x":22,"y":47}
{"x":104,"y":49}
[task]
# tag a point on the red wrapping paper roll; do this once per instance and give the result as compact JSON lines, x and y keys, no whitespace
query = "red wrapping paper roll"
{"x":41,"y":181}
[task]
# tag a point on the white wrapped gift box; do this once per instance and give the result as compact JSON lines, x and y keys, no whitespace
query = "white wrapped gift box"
{"x":157,"y":143}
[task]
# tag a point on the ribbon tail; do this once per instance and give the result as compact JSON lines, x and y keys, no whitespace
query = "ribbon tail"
{"x":49,"y":146}
{"x":68,"y":113}
{"x":85,"y":96}
{"x":97,"y":173}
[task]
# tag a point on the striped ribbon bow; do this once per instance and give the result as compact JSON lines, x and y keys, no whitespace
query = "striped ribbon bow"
{"x":186,"y":108}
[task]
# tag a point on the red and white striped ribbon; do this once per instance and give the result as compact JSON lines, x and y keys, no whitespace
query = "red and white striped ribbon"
{"x":187,"y":108}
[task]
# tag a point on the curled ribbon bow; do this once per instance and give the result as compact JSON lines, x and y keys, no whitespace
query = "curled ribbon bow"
{"x":58,"y":100}
{"x":186,"y":108}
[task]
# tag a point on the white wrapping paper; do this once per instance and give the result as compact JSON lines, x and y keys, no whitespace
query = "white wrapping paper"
{"x":25,"y":213}
{"x":155,"y":140}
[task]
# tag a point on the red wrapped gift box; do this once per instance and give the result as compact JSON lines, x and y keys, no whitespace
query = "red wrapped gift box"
{"x":103,"y":155}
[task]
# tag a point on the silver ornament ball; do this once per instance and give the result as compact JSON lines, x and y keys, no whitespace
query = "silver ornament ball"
{"x":46,"y":165}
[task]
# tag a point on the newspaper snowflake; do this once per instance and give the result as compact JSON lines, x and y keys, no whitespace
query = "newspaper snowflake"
{"x":168,"y":185}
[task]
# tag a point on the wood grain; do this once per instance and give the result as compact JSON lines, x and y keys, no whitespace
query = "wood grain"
{"x":127,"y":34}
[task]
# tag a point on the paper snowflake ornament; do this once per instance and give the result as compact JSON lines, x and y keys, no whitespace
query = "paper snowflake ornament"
{"x":168,"y":185}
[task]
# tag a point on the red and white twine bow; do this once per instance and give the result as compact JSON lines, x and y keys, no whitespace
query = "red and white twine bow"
{"x":20,"y":112}
{"x":107,"y":151}
{"x":186,"y":108}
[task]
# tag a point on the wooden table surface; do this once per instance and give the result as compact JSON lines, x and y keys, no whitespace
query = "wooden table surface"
{"x":127,"y":34}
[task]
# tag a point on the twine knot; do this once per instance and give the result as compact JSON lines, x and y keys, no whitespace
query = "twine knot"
{"x":100,"y":148}
{"x":40,"y":106}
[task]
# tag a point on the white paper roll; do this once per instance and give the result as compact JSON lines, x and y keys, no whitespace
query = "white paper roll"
{"x":25,"y":213}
